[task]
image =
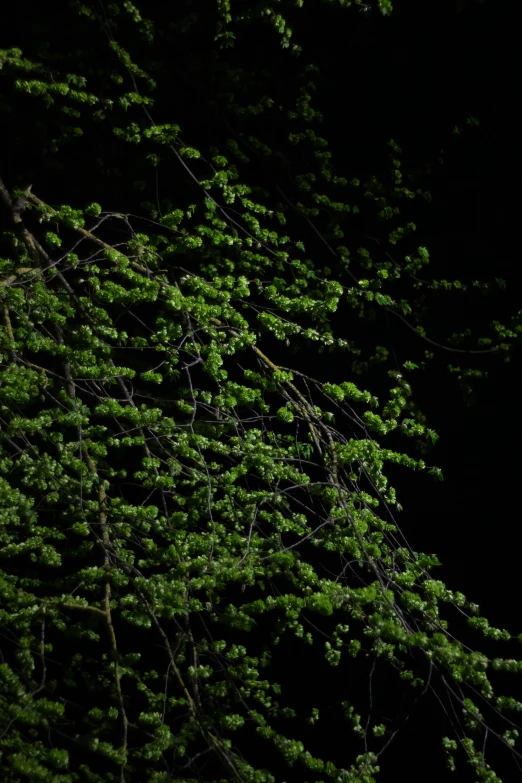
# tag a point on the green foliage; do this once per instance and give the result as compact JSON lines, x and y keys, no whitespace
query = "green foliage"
{"x":133,"y":522}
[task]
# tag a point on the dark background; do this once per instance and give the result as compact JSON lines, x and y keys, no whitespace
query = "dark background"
{"x":413,"y":77}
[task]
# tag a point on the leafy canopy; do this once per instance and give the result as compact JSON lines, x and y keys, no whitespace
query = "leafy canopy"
{"x":170,"y":491}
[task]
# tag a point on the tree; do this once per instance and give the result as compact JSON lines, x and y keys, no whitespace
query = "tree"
{"x":176,"y":496}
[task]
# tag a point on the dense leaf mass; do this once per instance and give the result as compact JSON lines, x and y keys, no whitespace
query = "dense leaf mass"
{"x":183,"y":503}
